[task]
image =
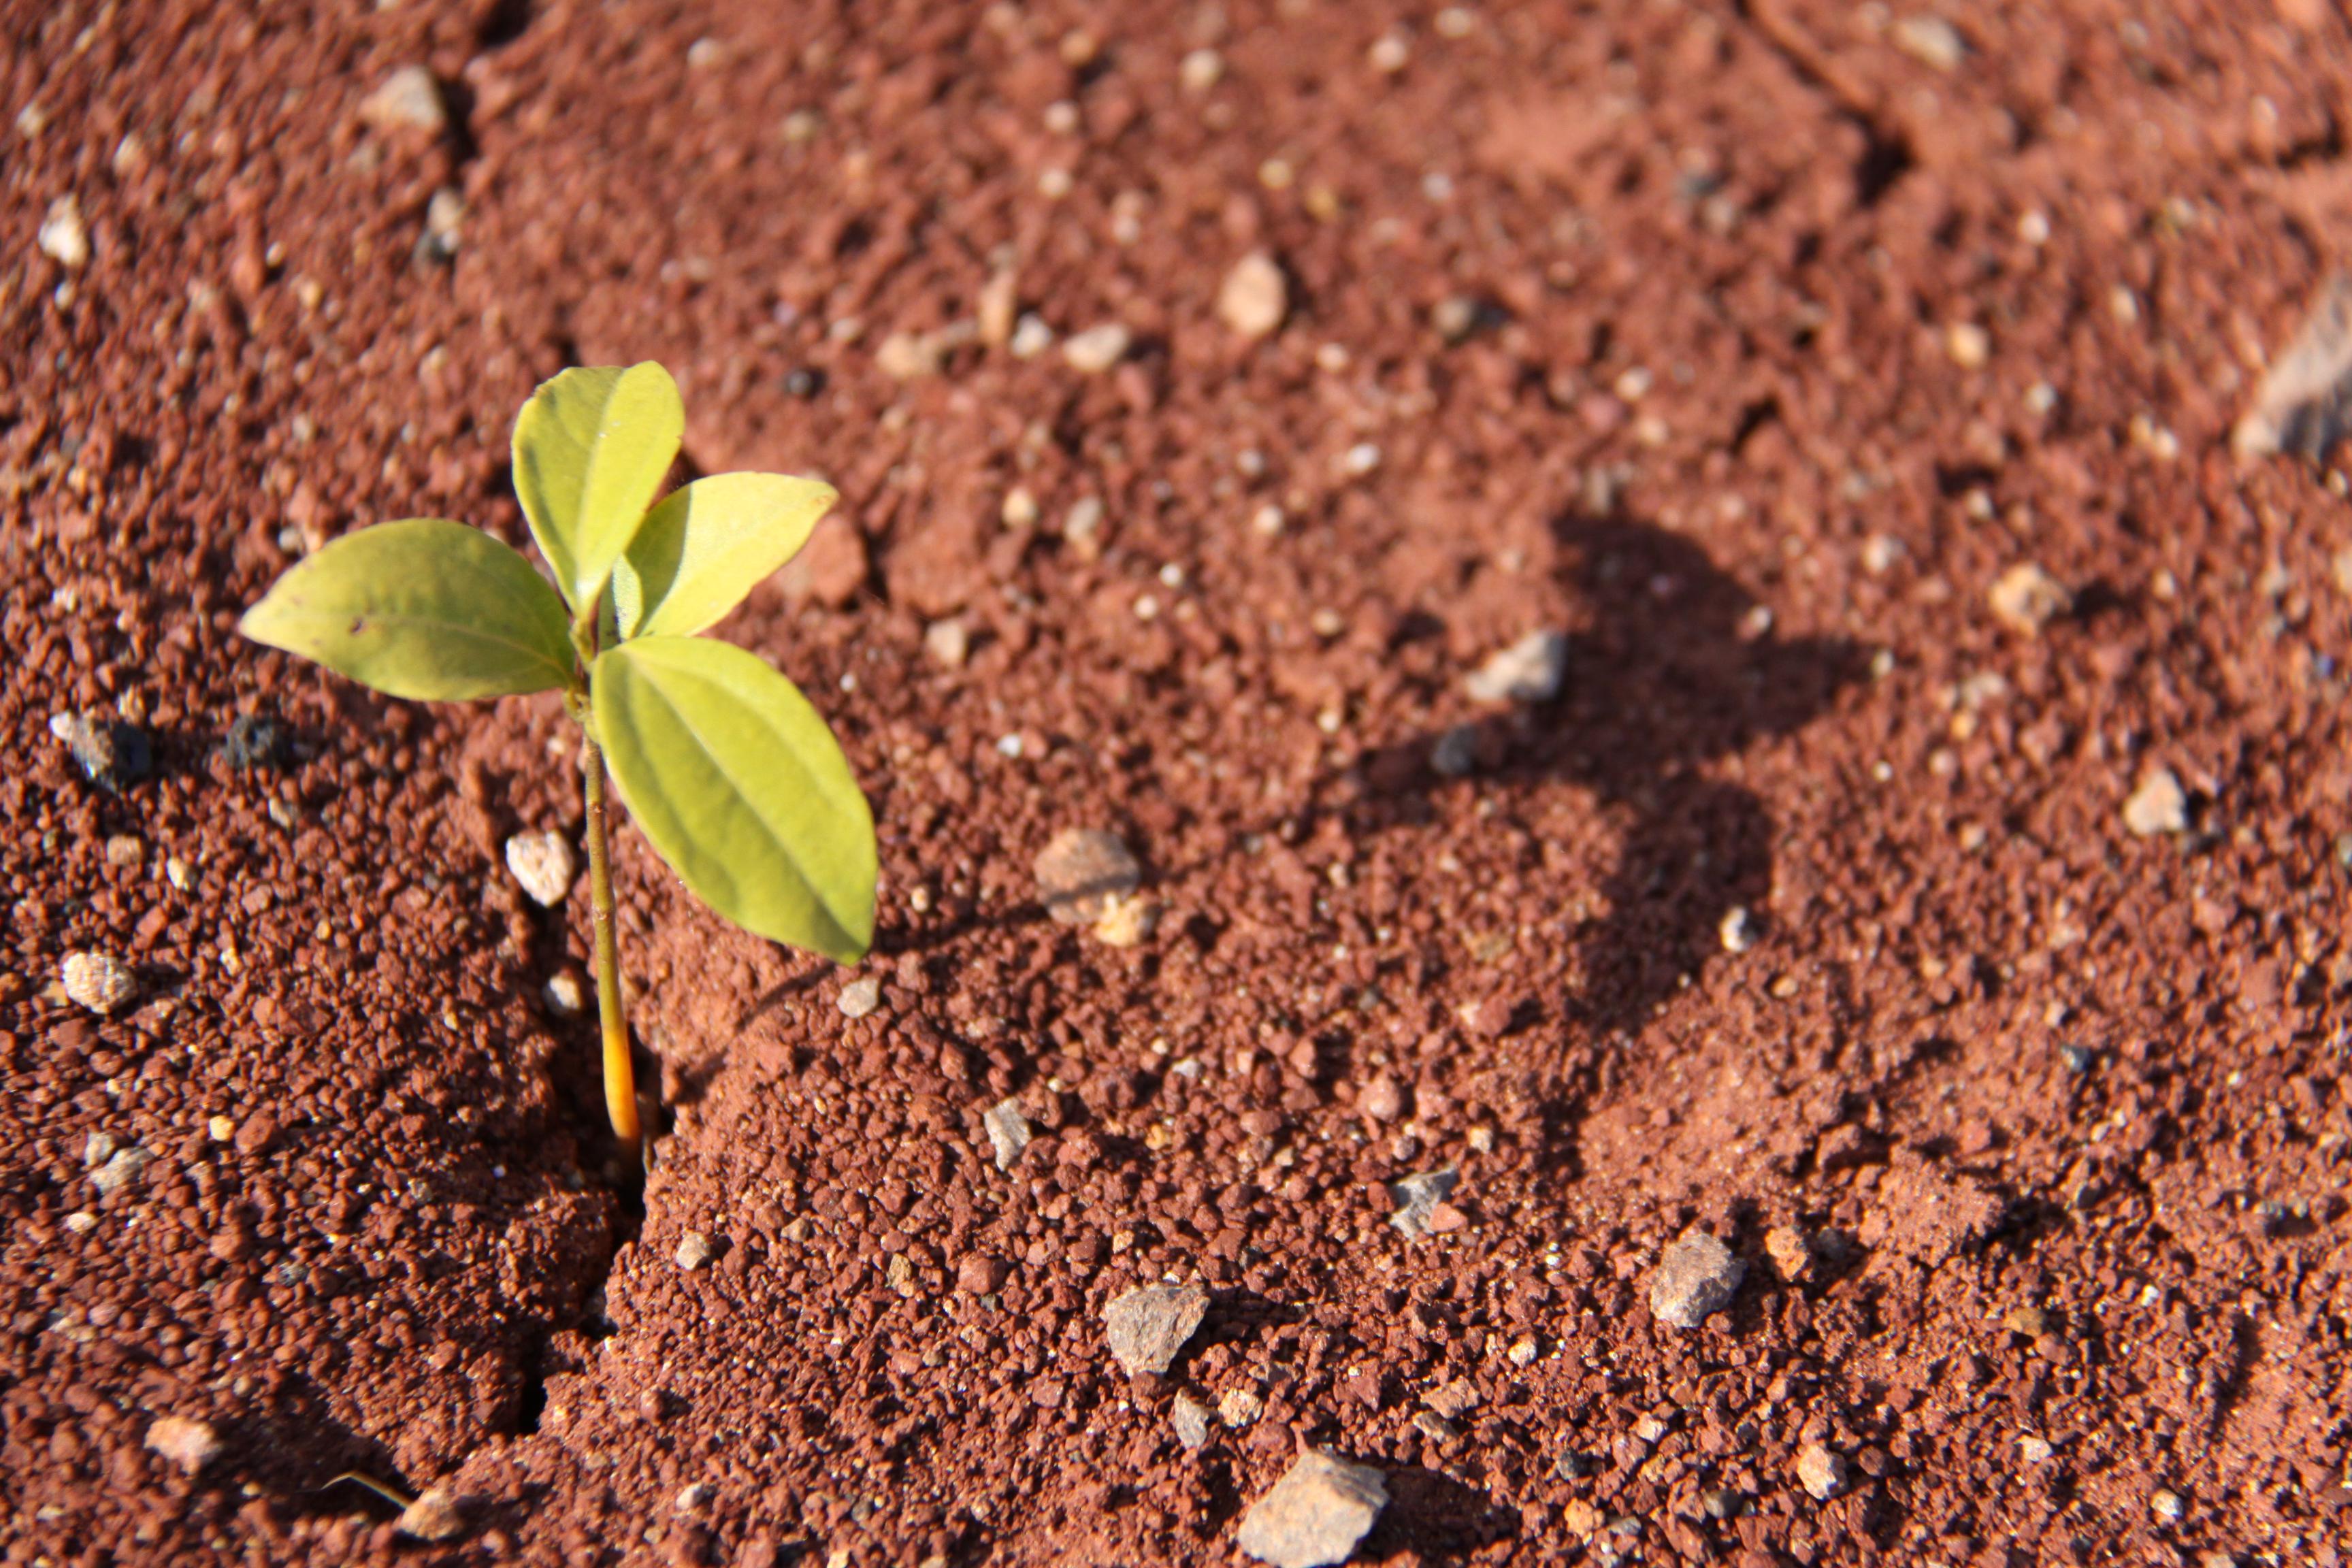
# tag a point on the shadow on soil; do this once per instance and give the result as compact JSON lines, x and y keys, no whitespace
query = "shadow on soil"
{"x":1671,"y":666}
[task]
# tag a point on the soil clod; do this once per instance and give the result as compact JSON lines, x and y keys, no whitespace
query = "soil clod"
{"x":1316,"y":1514}
{"x":1149,"y":1326}
{"x":187,"y":1444}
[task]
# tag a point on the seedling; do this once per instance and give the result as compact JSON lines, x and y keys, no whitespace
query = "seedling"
{"x":729,"y":771}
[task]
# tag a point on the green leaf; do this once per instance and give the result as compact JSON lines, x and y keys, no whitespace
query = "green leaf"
{"x":706,"y":545}
{"x":423,"y":608}
{"x":589,"y":449}
{"x":741,"y":788}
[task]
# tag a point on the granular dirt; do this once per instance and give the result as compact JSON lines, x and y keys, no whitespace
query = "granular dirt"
{"x":1746,"y":345}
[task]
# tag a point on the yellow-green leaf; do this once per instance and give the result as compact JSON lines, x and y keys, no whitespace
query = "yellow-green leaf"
{"x":706,"y":545}
{"x":589,"y":451}
{"x":741,"y":788}
{"x":423,"y":608}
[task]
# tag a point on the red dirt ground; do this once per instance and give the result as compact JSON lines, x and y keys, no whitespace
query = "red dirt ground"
{"x":1792,"y":342}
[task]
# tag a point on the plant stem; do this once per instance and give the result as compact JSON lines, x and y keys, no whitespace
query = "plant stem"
{"x":620,"y":1079}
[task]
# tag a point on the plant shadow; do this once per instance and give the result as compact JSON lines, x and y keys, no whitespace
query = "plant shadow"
{"x":1671,"y":667}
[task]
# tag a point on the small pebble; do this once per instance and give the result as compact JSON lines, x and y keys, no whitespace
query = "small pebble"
{"x":1008,"y":1132}
{"x":2026,"y":598}
{"x":98,"y":981}
{"x":1381,"y":1099}
{"x":2167,"y":1506}
{"x":126,"y":849}
{"x":1968,"y":344}
{"x":190,"y":1444}
{"x":1191,"y":1419}
{"x":1082,"y":872}
{"x":1097,"y":349}
{"x":220,"y":1128}
{"x":1531,"y":669}
{"x":62,"y":237}
{"x":1389,"y":54}
{"x":947,"y":643}
{"x":860,"y":997}
{"x":435,"y":1515}
{"x":567,"y":994}
{"x":693,"y":1499}
{"x":121,"y":1170}
{"x":444,"y":224}
{"x":1031,"y":336}
{"x":179,"y":873}
{"x":1930,"y":40}
{"x":1435,"y":1427}
{"x":1316,"y":1514}
{"x":409,"y":99}
{"x":1695,"y":1276}
{"x":112,"y":753}
{"x":1200,"y":71}
{"x":1255,"y":297}
{"x":1360,"y":459}
{"x":1422,"y":1209}
{"x":695,"y":1250}
{"x":1019,"y":508}
{"x":1128,"y":921}
{"x":2158,"y":806}
{"x":544,"y":865}
{"x":1455,"y":317}
{"x":905,"y":356}
{"x":1237,"y":1407}
{"x":1267,"y":521}
{"x":81,"y":1222}
{"x":2302,"y":403}
{"x":1149,"y":1325}
{"x":1822,"y":1472}
{"x":256,"y":741}
{"x":1733,"y":931}
{"x":2034,"y":1451}
{"x":1456,"y":752}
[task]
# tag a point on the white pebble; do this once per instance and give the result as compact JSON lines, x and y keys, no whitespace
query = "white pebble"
{"x":566,"y":994}
{"x":860,"y":997}
{"x":1255,"y":297}
{"x":1362,"y":458}
{"x":1531,"y":669}
{"x":1389,"y":54}
{"x":187,"y":1444}
{"x":98,"y":981}
{"x":544,"y":864}
{"x":1031,"y":336}
{"x":62,"y":238}
{"x":409,"y":99}
{"x":1097,"y":349}
{"x":2158,"y":806}
{"x":693,"y":1251}
{"x":1200,"y":71}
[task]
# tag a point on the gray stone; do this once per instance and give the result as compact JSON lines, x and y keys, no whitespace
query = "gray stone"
{"x":1420,"y":1198}
{"x":1455,"y":754}
{"x":1531,"y":670}
{"x":1317,"y":1514}
{"x":121,"y":1170}
{"x":112,"y":753}
{"x":2304,"y":404}
{"x":1697,"y":1277}
{"x":1148,"y":1325}
{"x":1191,"y":1419}
{"x":1008,"y":1132}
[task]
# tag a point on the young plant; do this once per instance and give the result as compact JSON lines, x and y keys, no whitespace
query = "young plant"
{"x":728,"y":770}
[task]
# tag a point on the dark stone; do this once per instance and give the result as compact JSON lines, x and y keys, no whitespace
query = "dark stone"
{"x":257,"y":740}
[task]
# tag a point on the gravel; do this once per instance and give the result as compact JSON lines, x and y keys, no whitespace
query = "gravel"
{"x":1191,"y":1419}
{"x":544,"y":864}
{"x":409,"y":100}
{"x":98,"y":981}
{"x":1316,"y":1514}
{"x":1149,"y":1325}
{"x":1531,"y":670}
{"x":567,"y":994}
{"x":695,"y":1250}
{"x":1084,"y":874}
{"x":434,"y":1516}
{"x":62,"y":237}
{"x":1255,"y":297}
{"x":257,"y":740}
{"x":1697,"y":1277}
{"x":2160,"y":805}
{"x":859,"y":998}
{"x":948,"y":643}
{"x":2303,"y":401}
{"x":120,"y":1170}
{"x":2025,"y":598}
{"x":1094,"y":350}
{"x":1823,"y":1471}
{"x":1422,"y":1209}
{"x":1008,"y":1132}
{"x":187,"y":1444}
{"x":112,"y":753}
